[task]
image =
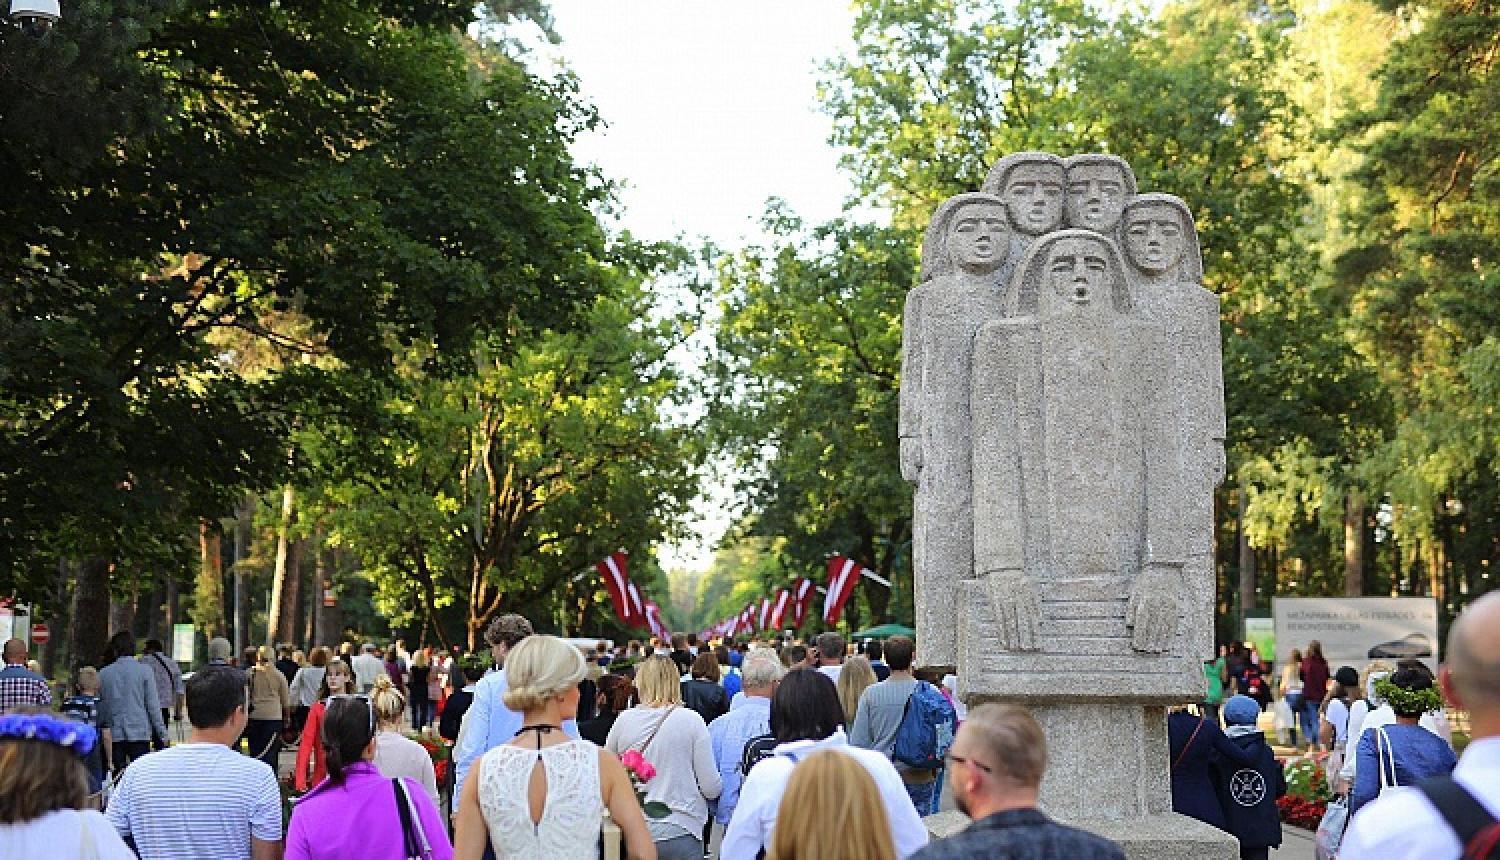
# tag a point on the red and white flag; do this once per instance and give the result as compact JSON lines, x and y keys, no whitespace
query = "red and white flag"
{"x":747,"y":618}
{"x":637,"y":608}
{"x":843,"y":574}
{"x":614,"y":569}
{"x":763,"y":613}
{"x":802,"y":597}
{"x":653,"y":620}
{"x":779,"y":607}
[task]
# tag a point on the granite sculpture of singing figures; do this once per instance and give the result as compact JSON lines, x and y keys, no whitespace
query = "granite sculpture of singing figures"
{"x":964,"y":259}
{"x":1074,"y":463}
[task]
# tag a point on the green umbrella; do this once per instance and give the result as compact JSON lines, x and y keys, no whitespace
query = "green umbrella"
{"x":884,"y":631}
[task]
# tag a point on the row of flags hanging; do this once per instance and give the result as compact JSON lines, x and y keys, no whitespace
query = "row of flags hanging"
{"x":787,"y":607}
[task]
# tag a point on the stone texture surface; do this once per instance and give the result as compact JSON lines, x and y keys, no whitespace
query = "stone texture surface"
{"x":1062,"y":417}
{"x":967,"y":248}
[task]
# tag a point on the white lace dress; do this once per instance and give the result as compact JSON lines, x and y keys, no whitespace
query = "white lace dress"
{"x":571,"y":818}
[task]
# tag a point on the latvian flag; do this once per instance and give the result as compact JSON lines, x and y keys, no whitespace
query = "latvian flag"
{"x":747,"y":618}
{"x":622,"y":592}
{"x":779,"y":607}
{"x":653,"y":620}
{"x":802,"y":597}
{"x":843,"y":575}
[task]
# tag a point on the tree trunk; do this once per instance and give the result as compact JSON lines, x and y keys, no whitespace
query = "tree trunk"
{"x":59,"y":611}
{"x":1354,"y":544}
{"x":329,"y":624}
{"x":208,"y":592}
{"x":122,"y":612}
{"x":88,"y":634}
{"x":1247,"y":562}
{"x":274,"y":630}
{"x":291,"y":606}
{"x":244,"y":527}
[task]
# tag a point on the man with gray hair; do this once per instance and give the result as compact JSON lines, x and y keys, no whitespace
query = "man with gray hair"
{"x":367,"y":667}
{"x":1451,"y":816}
{"x":748,"y":719}
{"x":995,"y":769}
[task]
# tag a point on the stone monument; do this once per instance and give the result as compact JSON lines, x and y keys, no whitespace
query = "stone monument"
{"x":1062,"y":419}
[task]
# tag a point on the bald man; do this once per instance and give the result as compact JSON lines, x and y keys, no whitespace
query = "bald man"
{"x":1425,"y":823}
{"x":995,"y":768}
{"x":18,"y":684}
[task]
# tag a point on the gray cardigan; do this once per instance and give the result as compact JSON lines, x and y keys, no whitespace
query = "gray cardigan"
{"x":127,"y":701}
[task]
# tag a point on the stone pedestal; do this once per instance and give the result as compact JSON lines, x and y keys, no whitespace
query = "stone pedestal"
{"x":1166,"y":836}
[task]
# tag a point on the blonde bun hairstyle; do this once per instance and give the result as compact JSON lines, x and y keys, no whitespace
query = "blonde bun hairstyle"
{"x":539,"y":668}
{"x":388,"y":702}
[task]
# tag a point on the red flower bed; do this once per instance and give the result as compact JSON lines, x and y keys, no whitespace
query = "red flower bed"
{"x":1299,"y":812}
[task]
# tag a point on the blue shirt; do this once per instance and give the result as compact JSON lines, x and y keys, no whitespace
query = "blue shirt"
{"x":1417,"y":752}
{"x":488,"y":724}
{"x":729,"y":734}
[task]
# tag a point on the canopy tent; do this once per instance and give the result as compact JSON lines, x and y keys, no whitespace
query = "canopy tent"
{"x":884,"y":631}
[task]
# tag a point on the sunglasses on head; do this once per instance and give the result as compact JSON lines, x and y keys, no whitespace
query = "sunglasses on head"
{"x":369,"y":705}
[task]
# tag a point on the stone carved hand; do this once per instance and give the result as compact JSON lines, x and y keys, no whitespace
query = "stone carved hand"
{"x":1152,"y":613}
{"x":911,"y":459}
{"x":1018,"y":609}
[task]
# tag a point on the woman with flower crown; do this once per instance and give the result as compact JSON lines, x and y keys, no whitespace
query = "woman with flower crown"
{"x":543,"y":794}
{"x":44,"y":788}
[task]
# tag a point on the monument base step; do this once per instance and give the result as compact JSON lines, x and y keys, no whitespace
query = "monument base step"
{"x":1168,"y":836}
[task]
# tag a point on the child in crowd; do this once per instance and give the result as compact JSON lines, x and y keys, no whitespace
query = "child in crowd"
{"x":84,"y":707}
{"x":1248,"y":793}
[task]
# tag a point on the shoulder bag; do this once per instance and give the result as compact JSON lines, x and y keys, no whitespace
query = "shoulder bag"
{"x":415,"y":839}
{"x":1189,"y":745}
{"x":1385,"y":756}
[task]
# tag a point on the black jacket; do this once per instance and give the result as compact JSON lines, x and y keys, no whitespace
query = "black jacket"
{"x":1248,"y":793}
{"x":453,"y":713}
{"x":705,"y":697}
{"x":1196,"y":746}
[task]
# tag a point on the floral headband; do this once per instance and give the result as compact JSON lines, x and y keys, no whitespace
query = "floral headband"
{"x":68,"y":734}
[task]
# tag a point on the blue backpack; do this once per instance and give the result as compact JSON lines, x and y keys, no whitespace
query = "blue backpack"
{"x":926,"y":730}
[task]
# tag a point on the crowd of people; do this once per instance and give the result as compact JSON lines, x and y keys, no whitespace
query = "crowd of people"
{"x":784,"y":750}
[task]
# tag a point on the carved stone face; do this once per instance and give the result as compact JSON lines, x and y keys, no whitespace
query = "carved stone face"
{"x":1096,"y":196}
{"x":1078,"y":272}
{"x":1154,"y":240}
{"x":979,"y":238}
{"x":1035,"y":194}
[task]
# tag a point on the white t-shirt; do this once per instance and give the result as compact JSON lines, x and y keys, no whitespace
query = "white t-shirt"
{"x":63,"y":833}
{"x":832,"y":671}
{"x":197,"y":800}
{"x":754,"y":821}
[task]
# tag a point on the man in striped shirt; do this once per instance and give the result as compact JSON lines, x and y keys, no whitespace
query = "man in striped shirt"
{"x":202,"y":799}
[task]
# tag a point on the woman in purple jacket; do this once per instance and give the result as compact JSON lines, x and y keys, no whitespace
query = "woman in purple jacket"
{"x":322,"y":827}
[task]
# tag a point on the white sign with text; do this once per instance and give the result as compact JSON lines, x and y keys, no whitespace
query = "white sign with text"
{"x":1356,"y":630}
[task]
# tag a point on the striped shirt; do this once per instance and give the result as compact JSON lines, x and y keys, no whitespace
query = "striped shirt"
{"x":196,"y":800}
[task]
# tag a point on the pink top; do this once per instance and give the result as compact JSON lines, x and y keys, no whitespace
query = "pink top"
{"x":357,"y":817}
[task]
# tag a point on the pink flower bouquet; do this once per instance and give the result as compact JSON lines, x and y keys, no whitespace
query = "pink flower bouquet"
{"x":641,"y":772}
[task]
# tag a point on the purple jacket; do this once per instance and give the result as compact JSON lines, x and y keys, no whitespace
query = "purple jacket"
{"x":357,"y":818}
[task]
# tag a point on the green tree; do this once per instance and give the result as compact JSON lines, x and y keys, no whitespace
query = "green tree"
{"x":506,"y":482}
{"x":180,"y":170}
{"x":1422,"y":275}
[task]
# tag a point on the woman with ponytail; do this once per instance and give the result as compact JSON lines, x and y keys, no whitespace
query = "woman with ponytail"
{"x":395,"y":753}
{"x":543,"y":794}
{"x":357,"y":811}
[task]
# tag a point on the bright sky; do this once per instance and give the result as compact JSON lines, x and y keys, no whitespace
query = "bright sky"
{"x":711,"y":109}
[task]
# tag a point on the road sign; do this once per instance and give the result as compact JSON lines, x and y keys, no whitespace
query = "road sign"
{"x":40,"y":634}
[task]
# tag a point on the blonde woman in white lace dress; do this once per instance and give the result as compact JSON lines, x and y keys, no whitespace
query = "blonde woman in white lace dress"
{"x":543,"y":794}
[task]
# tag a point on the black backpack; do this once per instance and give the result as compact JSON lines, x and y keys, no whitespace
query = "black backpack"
{"x":1475,"y":827}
